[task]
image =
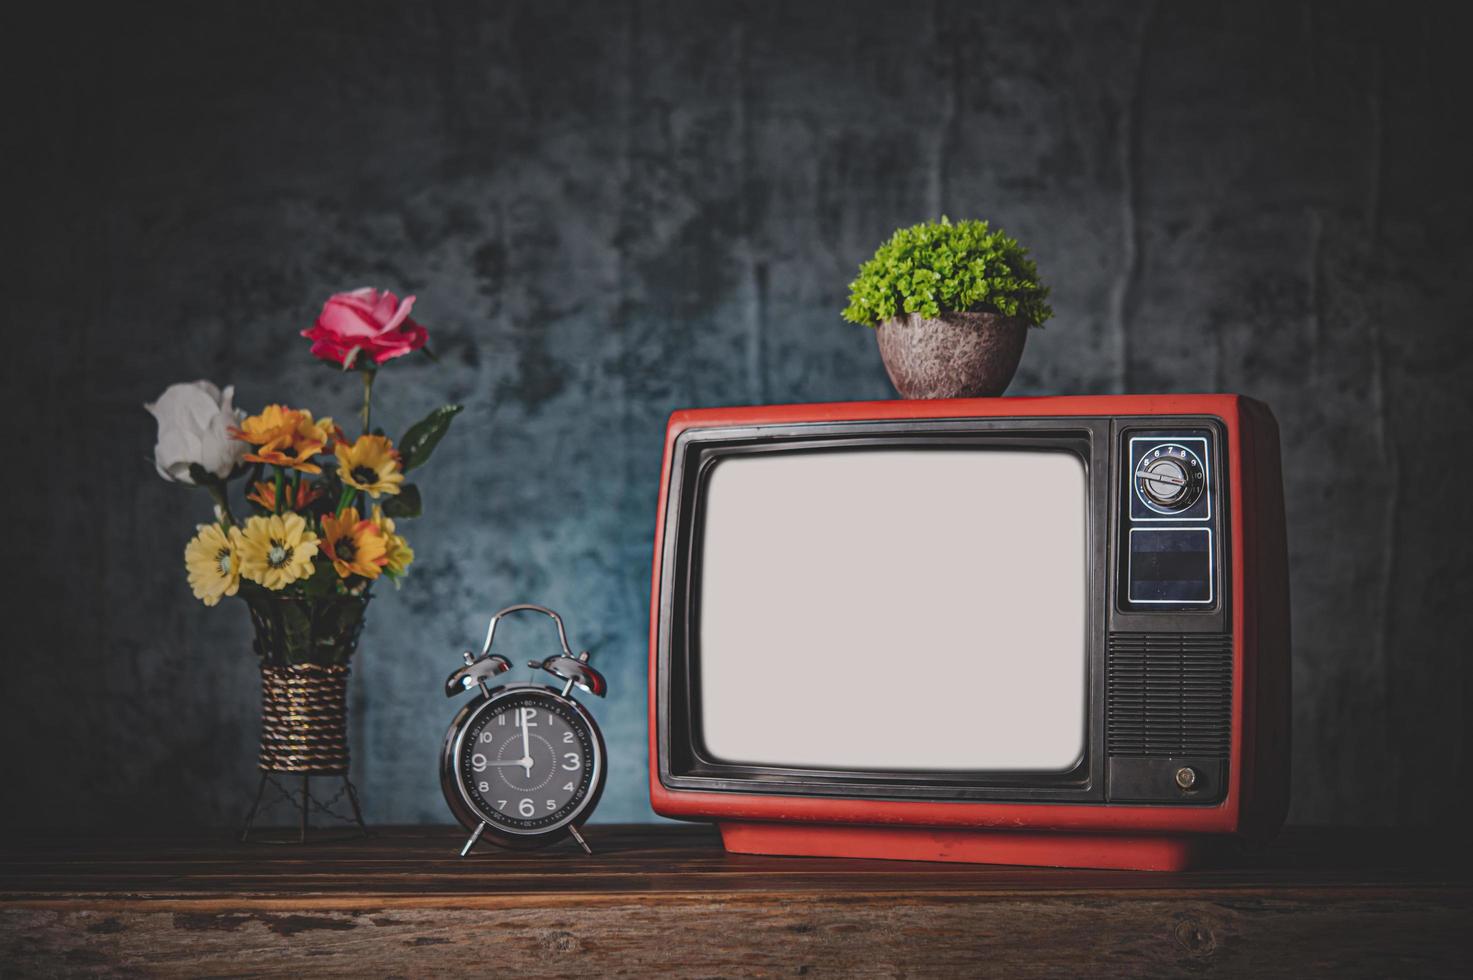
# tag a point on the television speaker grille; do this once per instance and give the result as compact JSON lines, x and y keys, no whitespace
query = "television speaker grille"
{"x":1169,"y":694}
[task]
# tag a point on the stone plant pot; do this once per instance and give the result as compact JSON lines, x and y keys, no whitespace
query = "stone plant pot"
{"x":955,"y":355}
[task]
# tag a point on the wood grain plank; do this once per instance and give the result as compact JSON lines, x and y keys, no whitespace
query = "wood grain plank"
{"x":669,"y":899}
{"x":1007,"y":937}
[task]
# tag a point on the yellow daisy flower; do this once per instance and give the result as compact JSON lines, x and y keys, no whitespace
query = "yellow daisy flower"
{"x":287,"y":437}
{"x":400,"y":556}
{"x":355,"y":546}
{"x":370,"y":464}
{"x":213,"y":562}
{"x":276,"y":551}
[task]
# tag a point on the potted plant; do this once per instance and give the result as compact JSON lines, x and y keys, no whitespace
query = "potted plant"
{"x":952,"y":305}
{"x":318,"y":532}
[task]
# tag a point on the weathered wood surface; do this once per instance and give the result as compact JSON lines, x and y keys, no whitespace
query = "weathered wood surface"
{"x":669,"y":899}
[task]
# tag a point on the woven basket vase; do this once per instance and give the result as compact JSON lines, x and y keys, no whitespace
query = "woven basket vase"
{"x":304,"y":646}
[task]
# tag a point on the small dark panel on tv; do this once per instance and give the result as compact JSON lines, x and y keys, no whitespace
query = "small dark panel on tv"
{"x":1183,"y":779}
{"x":1170,"y":565}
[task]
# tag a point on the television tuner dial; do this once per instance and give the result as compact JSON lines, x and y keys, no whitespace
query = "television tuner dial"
{"x":1168,"y":478}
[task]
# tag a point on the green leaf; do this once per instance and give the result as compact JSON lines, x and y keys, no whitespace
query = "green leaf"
{"x":423,"y":436}
{"x":322,"y":582}
{"x":405,"y":503}
{"x":937,"y":267}
{"x":296,"y":631}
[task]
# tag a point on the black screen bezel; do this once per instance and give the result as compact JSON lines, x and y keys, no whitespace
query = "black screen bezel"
{"x":682,"y":763}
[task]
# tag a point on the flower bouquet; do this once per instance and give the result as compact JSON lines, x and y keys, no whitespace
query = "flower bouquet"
{"x":320,"y":528}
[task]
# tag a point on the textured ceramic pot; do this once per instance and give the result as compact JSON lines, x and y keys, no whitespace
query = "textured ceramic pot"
{"x":955,"y":355}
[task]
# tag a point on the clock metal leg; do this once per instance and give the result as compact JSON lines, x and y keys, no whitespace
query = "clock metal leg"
{"x":475,"y":836}
{"x":581,"y":842}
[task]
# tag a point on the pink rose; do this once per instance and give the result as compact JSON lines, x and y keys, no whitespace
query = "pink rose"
{"x":365,"y":323}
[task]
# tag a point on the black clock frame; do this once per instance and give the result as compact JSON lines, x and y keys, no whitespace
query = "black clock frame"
{"x":471,"y":817}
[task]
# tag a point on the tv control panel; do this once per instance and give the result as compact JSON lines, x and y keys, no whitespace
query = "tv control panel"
{"x":1169,"y":529}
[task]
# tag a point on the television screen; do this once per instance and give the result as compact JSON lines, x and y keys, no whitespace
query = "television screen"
{"x":895,"y":610}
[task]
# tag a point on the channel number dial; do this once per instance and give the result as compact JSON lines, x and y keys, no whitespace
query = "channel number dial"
{"x":527,"y":763}
{"x":1169,"y":478}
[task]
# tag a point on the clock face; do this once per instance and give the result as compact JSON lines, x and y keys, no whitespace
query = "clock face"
{"x":527,"y":762}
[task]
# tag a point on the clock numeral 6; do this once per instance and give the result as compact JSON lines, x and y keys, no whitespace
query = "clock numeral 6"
{"x":526,"y":808}
{"x":573,"y":761}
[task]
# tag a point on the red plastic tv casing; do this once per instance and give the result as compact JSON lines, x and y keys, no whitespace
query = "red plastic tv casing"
{"x":1102,"y":835}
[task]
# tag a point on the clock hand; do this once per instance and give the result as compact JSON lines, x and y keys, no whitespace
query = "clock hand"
{"x":526,"y":743}
{"x":508,"y":762}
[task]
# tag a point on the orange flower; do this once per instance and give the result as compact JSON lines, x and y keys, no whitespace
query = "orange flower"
{"x":353,"y":545}
{"x":265,"y":495}
{"x":273,"y":425}
{"x":287,"y":437}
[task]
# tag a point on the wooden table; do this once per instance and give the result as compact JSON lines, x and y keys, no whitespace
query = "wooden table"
{"x":667,"y":898}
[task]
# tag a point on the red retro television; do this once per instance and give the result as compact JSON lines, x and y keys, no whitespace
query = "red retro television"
{"x":1048,"y":631}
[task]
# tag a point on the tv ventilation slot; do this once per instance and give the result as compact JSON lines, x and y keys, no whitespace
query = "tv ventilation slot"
{"x":1169,"y":694}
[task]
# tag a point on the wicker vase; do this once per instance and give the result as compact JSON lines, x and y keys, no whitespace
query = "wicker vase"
{"x":303,"y":646}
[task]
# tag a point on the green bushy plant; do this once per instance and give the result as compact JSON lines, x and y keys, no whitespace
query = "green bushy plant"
{"x":937,"y":267}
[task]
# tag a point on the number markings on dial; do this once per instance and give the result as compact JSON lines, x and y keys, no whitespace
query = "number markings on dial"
{"x":507,"y":768}
{"x":1169,"y":479}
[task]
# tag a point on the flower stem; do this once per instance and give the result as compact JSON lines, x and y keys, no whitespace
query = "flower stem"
{"x":217,"y":493}
{"x":368,"y":376}
{"x":344,"y":500}
{"x":280,"y":483}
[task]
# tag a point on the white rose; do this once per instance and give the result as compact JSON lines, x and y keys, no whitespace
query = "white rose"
{"x":194,"y":427}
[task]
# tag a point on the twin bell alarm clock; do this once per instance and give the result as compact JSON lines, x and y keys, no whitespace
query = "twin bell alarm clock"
{"x":523,"y":764}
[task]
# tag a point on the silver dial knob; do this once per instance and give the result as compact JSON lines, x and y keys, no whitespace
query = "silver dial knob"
{"x":1168,"y":478}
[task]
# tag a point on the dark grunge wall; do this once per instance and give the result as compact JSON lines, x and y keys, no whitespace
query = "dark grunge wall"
{"x":610,"y":210}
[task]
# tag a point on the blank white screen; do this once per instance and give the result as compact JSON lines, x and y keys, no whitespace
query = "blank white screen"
{"x":895,"y":610}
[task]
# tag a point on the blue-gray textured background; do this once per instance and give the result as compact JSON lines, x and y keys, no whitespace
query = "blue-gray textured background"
{"x":611,"y":210}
